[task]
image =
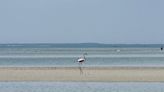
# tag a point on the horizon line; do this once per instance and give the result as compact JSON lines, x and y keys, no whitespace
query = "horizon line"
{"x":93,"y":43}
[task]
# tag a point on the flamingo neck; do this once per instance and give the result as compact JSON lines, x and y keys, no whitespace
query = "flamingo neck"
{"x":84,"y":56}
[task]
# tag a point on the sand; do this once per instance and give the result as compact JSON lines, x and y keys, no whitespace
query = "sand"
{"x":89,"y":74}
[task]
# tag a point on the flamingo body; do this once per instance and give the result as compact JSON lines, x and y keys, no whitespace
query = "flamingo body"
{"x":81,"y":60}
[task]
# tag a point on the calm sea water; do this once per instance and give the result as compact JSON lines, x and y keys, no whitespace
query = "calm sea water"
{"x":43,"y":55}
{"x":79,"y":87}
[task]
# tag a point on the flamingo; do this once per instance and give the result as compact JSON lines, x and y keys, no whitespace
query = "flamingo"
{"x":82,"y":59}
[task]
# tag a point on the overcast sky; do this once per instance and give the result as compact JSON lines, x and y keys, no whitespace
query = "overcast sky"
{"x":81,"y":21}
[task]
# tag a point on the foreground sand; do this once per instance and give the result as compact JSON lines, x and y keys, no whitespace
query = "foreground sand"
{"x":95,"y":74}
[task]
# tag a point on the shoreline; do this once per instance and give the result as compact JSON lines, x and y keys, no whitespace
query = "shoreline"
{"x":83,"y":74}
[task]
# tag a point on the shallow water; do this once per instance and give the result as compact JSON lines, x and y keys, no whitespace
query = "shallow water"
{"x":45,"y":55}
{"x":80,"y":87}
{"x":51,"y":56}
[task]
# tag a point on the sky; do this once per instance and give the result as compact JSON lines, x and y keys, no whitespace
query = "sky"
{"x":82,"y":21}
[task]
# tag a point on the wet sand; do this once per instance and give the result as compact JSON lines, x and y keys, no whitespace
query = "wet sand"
{"x":89,"y":74}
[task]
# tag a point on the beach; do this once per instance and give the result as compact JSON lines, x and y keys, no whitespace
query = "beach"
{"x":83,"y":74}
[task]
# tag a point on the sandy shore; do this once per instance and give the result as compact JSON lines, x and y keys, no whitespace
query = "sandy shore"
{"x":91,"y":74}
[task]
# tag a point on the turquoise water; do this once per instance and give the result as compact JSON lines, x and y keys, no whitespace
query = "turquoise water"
{"x":44,"y":55}
{"x":79,"y":87}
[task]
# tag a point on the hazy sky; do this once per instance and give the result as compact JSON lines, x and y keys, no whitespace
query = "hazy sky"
{"x":80,"y":21}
